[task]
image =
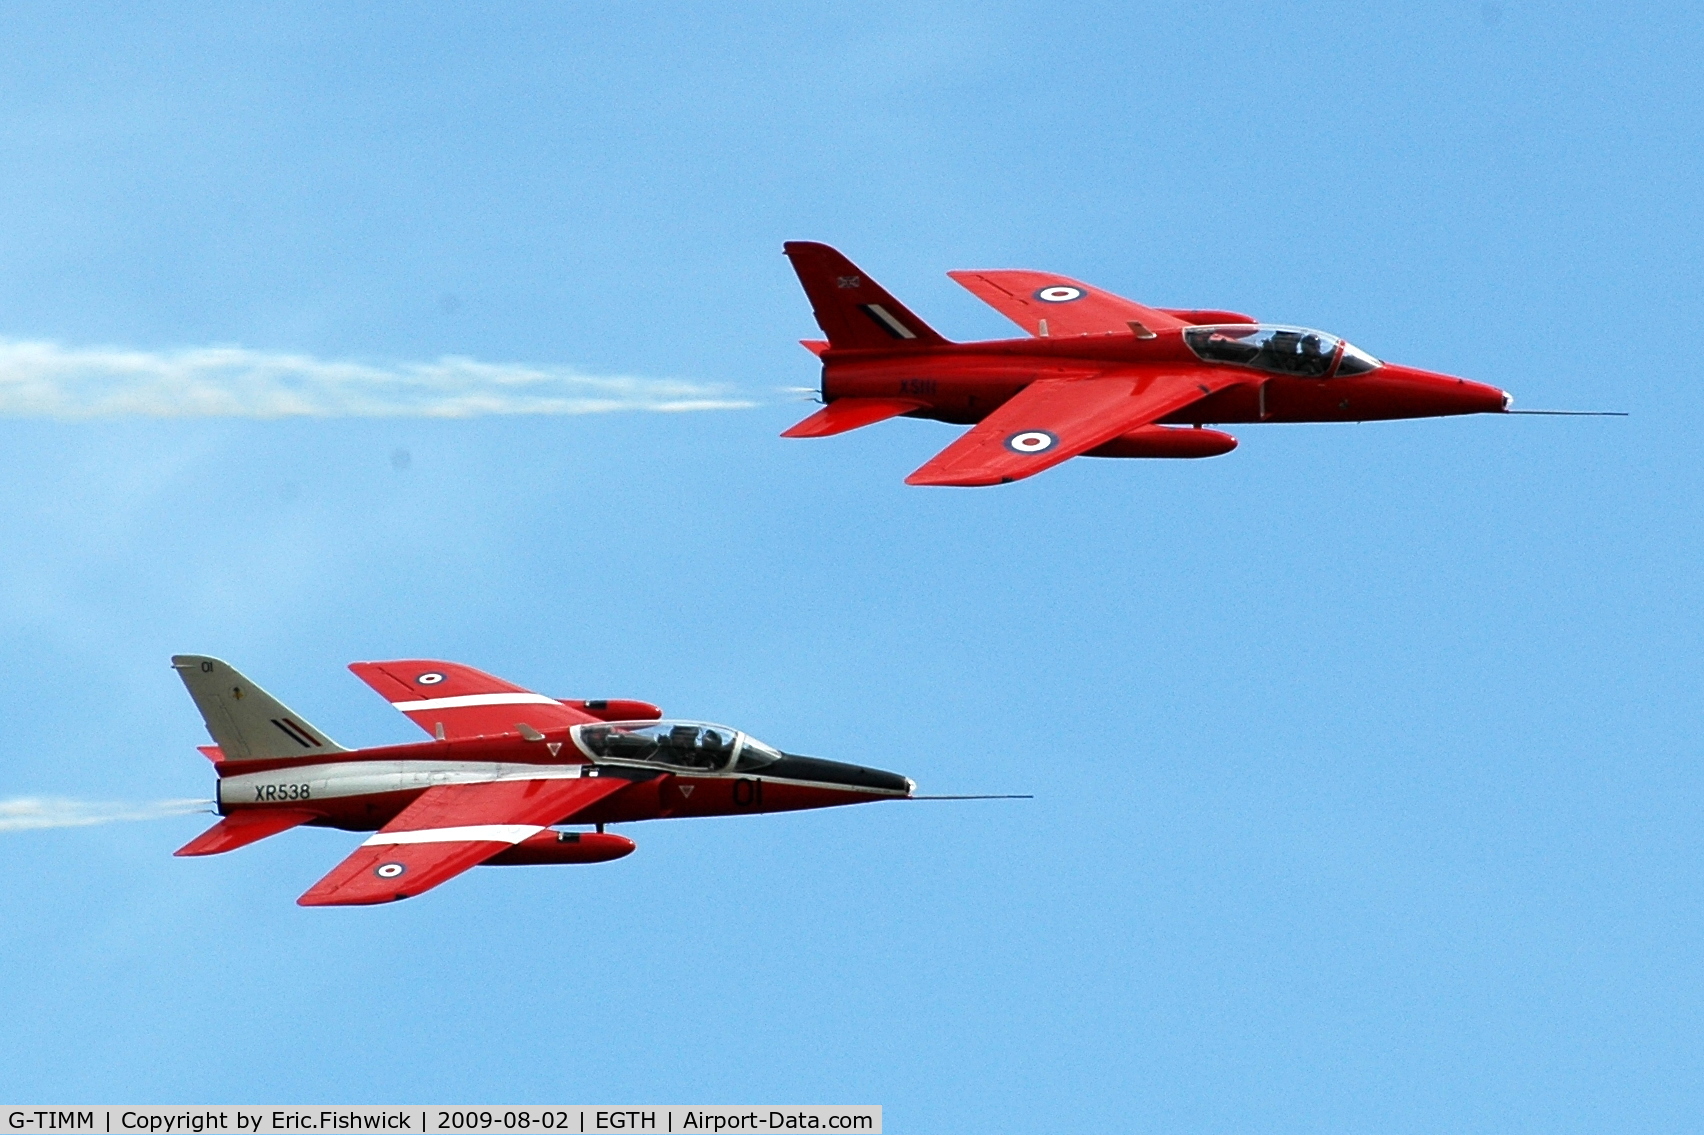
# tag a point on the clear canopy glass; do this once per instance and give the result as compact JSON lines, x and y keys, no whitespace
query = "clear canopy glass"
{"x":1356,"y":361}
{"x":674,"y":744}
{"x":1280,"y":350}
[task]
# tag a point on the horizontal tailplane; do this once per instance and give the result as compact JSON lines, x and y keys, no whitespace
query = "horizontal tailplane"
{"x":849,"y":414}
{"x":243,"y":828}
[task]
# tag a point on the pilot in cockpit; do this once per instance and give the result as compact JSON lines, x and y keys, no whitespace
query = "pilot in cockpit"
{"x":683,"y":743}
{"x":694,"y":749}
{"x":716,"y":748}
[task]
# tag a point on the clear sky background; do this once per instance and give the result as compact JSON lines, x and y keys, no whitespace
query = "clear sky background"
{"x":1366,"y":758}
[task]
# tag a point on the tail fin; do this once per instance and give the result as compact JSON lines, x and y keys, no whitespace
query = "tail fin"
{"x":247,"y":722}
{"x":852,"y":309}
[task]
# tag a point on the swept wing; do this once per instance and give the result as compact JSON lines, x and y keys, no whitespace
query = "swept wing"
{"x":1053,"y":419}
{"x":1066,"y":306}
{"x":452,"y":701}
{"x":450,"y":828}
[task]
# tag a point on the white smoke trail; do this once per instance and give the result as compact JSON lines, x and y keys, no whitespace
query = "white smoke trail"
{"x":25,"y":812}
{"x":43,"y":379}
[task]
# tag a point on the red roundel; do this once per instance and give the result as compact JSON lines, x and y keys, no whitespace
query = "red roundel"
{"x":1059,"y":293}
{"x":389,"y":870}
{"x":1031,"y":441}
{"x":430,"y":678}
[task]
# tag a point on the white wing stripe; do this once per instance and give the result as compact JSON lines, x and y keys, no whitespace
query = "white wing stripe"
{"x":489,"y":833}
{"x":467,"y":700}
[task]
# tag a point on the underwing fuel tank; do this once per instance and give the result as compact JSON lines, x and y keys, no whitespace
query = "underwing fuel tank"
{"x":550,"y":846}
{"x":615,"y":709}
{"x":1167,"y":441}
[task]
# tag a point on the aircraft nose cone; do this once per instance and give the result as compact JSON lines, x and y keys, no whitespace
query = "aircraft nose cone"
{"x":1451,"y":395}
{"x":1486,"y":399}
{"x":1480,"y":398}
{"x":791,"y":766}
{"x":1409,"y":392}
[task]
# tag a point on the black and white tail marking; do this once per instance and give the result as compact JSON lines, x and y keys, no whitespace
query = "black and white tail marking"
{"x":296,"y":733}
{"x":886,"y":320}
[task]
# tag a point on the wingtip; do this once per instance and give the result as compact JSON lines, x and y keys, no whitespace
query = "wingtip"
{"x":950,"y":481}
{"x":311,"y":899}
{"x":936,"y":473}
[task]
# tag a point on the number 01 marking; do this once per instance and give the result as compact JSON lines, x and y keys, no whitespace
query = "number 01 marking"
{"x":748,"y":793}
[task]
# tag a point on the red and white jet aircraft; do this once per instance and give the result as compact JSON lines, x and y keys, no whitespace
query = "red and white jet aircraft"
{"x":1100,"y":376}
{"x":504,"y":766}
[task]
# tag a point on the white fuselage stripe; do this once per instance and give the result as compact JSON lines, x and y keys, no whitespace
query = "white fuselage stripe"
{"x":467,"y":701}
{"x":474,"y":833}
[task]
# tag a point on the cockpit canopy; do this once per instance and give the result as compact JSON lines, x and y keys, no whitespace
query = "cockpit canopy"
{"x":691,"y":745}
{"x":1279,"y":350}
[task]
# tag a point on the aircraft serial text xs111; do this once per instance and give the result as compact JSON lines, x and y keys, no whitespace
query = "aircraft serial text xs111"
{"x":504,"y":765}
{"x":1099,"y":376}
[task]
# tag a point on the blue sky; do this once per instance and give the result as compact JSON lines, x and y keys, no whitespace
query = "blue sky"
{"x":1366,"y":757}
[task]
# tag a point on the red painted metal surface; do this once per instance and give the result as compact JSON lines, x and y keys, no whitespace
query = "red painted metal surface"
{"x":489,"y":792}
{"x":243,"y":828}
{"x":445,"y":831}
{"x":1098,"y":353}
{"x":851,"y":414}
{"x":1166,"y":441}
{"x":552,"y":847}
{"x":615,"y":709}
{"x":449,"y":700}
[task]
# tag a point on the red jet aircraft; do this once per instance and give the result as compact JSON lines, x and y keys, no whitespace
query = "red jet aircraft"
{"x":504,"y":765}
{"x":1100,"y":376}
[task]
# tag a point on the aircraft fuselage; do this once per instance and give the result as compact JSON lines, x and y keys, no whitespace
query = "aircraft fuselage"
{"x":365,"y":789}
{"x":965,"y":382}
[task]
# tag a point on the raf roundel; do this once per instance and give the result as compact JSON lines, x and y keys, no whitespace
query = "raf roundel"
{"x":431,"y":678}
{"x":1031,"y":441}
{"x":389,"y":870}
{"x":1059,"y":293}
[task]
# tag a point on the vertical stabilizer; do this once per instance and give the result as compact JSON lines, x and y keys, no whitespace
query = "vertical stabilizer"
{"x":246,"y":722}
{"x":853,"y":310}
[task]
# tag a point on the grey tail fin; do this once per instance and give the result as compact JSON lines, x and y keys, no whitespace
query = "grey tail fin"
{"x":246,"y":722}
